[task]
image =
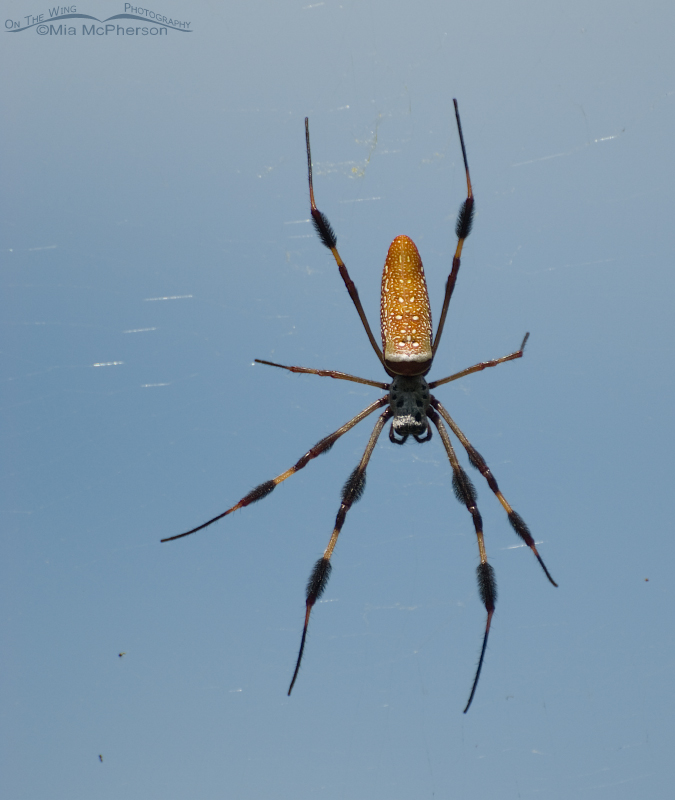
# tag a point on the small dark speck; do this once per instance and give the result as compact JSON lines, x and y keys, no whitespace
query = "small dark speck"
{"x":100,"y":758}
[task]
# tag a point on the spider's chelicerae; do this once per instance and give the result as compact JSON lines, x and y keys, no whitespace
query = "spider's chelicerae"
{"x":408,"y":350}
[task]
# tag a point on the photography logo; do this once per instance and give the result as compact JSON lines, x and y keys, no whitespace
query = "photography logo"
{"x":65,"y":21}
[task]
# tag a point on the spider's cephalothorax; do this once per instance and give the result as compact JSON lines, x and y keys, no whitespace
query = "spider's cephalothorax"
{"x":409,"y":402}
{"x":408,"y":349}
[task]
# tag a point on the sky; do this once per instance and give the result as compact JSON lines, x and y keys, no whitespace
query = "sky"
{"x":155,"y":240}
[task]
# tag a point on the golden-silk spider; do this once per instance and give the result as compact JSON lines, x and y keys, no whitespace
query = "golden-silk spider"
{"x":408,"y":349}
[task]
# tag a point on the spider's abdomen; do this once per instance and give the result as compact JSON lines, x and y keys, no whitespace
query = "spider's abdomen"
{"x":405,"y":313}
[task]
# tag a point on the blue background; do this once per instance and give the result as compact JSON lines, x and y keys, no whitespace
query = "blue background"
{"x":155,"y":241}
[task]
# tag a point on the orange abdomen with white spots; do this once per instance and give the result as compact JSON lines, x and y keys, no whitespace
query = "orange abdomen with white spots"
{"x":405,"y":313}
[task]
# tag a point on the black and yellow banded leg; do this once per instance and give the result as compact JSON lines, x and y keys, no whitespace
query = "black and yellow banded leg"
{"x":351,"y":492}
{"x":517,"y":522}
{"x":462,"y":230}
{"x":265,"y":488}
{"x":329,"y":239}
{"x":466,"y":493}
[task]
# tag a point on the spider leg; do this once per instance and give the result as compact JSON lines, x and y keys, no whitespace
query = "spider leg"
{"x":462,"y":229}
{"x":325,"y":373}
{"x":466,"y":493}
{"x":351,"y":492}
{"x":329,"y":239}
{"x":487,"y":585}
{"x":265,"y":488}
{"x":482,"y":365}
{"x":517,"y":522}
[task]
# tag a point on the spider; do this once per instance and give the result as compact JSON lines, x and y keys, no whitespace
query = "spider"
{"x":408,"y":349}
